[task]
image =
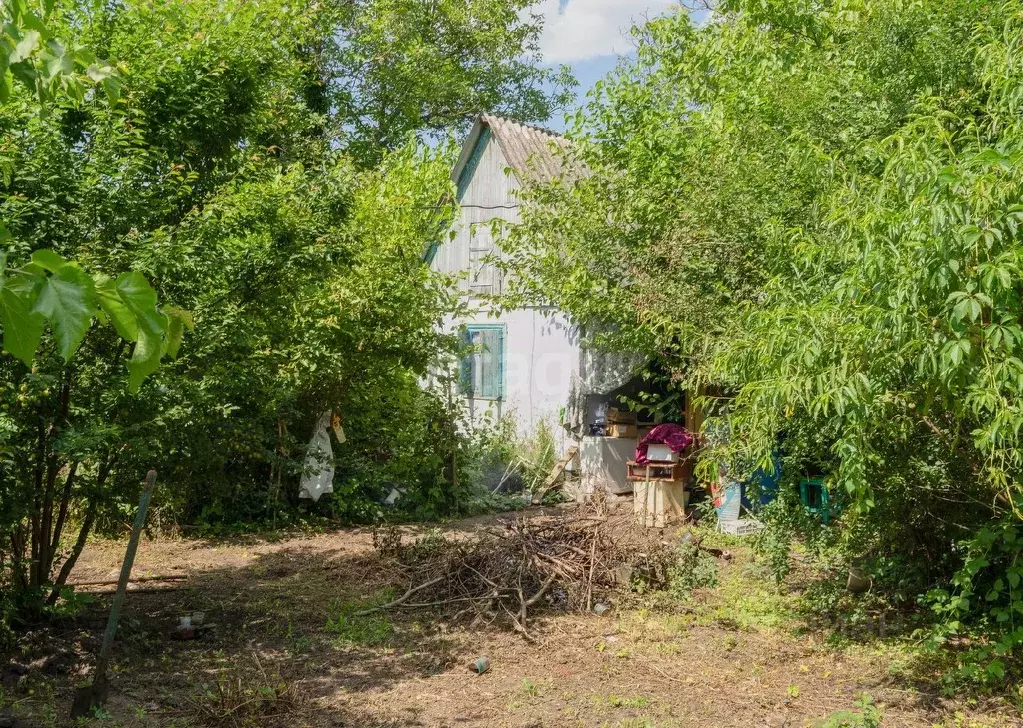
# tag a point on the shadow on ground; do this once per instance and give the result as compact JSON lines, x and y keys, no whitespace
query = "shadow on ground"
{"x":270,"y":659}
{"x":266,"y":659}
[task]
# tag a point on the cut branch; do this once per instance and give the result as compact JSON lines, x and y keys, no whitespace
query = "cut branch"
{"x":403,"y":598}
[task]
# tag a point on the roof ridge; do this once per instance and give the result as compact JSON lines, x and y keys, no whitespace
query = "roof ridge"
{"x":525,"y":125}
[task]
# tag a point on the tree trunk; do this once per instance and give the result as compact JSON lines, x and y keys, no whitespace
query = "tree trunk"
{"x":72,"y":559}
{"x":105,"y":469}
{"x":38,"y":478}
{"x":65,"y":503}
{"x":17,"y":558}
{"x":46,"y":485}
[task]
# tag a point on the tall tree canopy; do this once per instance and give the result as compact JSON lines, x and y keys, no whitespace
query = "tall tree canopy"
{"x":395,"y":67}
{"x":259,"y":166}
{"x":816,"y":207}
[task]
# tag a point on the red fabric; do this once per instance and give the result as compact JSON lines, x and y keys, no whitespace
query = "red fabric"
{"x":674,"y":436}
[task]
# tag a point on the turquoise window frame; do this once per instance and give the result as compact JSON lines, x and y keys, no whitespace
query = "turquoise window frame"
{"x":466,"y":376}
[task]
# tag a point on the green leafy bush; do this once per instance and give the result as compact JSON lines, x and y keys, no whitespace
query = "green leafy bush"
{"x":869,"y":716}
{"x":812,"y":211}
{"x":690,"y":568}
{"x":279,"y":192}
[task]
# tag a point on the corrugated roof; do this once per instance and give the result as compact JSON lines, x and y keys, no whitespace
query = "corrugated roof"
{"x":531,"y":151}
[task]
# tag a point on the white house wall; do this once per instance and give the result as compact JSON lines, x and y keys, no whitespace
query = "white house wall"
{"x":542,"y":353}
{"x":541,"y":358}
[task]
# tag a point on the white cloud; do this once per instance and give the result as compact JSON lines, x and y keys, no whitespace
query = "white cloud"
{"x":586,"y":29}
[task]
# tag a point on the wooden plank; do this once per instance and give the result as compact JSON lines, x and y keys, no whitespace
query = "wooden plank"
{"x":559,"y":467}
{"x":133,"y":580}
{"x":654,"y":471}
{"x":657,"y":502}
{"x":556,"y":471}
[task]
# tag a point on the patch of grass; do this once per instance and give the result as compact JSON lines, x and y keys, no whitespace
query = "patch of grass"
{"x":618,"y":702}
{"x":711,"y":537}
{"x":653,"y":626}
{"x":667,"y":648}
{"x":692,"y":569}
{"x":369,"y":630}
{"x":959,"y":720}
{"x":635,"y":723}
{"x":747,"y":603}
{"x":534,"y":689}
{"x":868,"y":716}
{"x":901,"y":659}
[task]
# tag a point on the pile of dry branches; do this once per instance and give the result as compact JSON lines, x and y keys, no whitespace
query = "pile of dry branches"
{"x":550,"y":562}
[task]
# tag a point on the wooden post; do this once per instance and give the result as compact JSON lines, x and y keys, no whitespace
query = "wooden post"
{"x":96,"y":694}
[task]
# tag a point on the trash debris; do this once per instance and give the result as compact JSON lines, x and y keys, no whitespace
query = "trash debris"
{"x":859,"y":580}
{"x":191,"y":626}
{"x":480,"y":665}
{"x":318,"y":477}
{"x":601,"y":608}
{"x":185,"y":630}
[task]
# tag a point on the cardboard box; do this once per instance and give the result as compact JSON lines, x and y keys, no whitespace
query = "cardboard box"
{"x":616,"y":416}
{"x":628,"y":431}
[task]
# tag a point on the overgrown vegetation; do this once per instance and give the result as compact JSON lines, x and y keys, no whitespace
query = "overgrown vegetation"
{"x":263,"y":169}
{"x":813,"y":210}
{"x":809,"y":210}
{"x":259,"y":699}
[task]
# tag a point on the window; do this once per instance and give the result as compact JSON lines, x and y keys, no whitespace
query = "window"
{"x":483,"y":368}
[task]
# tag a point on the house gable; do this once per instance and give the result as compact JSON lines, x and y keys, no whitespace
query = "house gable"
{"x":498,"y":156}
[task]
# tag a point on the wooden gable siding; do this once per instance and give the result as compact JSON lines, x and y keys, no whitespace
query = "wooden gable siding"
{"x":488,"y":192}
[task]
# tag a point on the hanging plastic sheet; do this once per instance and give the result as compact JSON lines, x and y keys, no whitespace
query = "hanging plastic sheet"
{"x":600,"y":373}
{"x":318,"y":473}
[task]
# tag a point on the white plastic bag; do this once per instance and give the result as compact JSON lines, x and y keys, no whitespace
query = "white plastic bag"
{"x":318,"y":477}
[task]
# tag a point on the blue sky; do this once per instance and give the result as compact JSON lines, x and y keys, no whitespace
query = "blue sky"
{"x":590,"y":35}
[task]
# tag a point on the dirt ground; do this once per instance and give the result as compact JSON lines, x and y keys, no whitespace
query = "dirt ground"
{"x":733,"y":656}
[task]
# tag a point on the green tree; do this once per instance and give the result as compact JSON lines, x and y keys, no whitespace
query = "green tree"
{"x":226,"y":174}
{"x":390,"y":68}
{"x":815,"y":207}
{"x":50,"y":288}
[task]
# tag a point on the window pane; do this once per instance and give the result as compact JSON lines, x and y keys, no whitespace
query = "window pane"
{"x":477,"y":370}
{"x":492,"y":358}
{"x":483,"y":368}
